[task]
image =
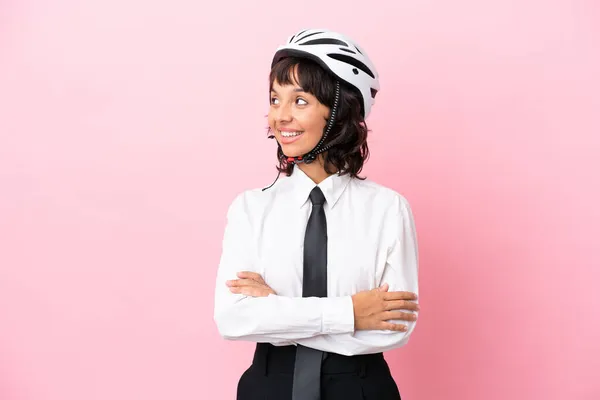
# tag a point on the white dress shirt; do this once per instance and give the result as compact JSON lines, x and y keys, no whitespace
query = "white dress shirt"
{"x":371,"y":241}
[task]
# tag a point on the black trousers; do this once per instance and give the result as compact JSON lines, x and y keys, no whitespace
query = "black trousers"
{"x":364,"y":377}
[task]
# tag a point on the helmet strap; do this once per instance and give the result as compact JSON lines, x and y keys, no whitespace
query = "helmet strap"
{"x":319,"y":148}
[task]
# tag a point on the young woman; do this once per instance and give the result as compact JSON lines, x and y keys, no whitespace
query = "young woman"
{"x":320,"y":268}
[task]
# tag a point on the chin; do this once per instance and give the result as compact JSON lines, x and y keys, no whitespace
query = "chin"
{"x":294,"y":151}
{"x":300,"y":147}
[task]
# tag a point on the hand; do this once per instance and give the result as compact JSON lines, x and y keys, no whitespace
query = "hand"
{"x":249,"y":284}
{"x":373,"y":308}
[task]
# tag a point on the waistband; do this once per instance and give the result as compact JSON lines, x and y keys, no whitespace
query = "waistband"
{"x":269,"y":359}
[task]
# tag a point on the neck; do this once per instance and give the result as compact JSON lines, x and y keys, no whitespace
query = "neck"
{"x":315,"y":170}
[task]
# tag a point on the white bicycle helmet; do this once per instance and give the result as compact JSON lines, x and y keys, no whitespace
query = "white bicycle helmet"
{"x":340,"y":55}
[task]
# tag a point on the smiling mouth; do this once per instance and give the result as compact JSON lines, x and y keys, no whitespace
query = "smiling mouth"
{"x":290,"y":134}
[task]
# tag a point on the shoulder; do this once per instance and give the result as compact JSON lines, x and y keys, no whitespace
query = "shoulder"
{"x":390,"y":206}
{"x":381,"y":196}
{"x":245,"y":201}
{"x":252,"y":201}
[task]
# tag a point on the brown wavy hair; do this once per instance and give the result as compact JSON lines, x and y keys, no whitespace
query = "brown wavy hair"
{"x":348,"y":135}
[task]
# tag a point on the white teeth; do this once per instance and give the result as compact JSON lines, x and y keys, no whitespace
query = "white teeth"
{"x":290,"y":134}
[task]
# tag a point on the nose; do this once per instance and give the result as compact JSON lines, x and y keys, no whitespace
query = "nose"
{"x":284,"y":113}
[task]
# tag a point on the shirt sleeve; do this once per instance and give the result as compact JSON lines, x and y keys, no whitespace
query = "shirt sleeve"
{"x":401,"y":273}
{"x":273,"y":319}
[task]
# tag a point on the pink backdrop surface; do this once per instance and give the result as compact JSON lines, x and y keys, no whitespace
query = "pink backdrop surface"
{"x":126,"y":128}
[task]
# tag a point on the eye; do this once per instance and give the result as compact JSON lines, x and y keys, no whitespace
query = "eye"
{"x":300,"y":99}
{"x":274,"y":100}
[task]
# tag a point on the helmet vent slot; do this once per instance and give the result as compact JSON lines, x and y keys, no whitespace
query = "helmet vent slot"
{"x":352,"y":61}
{"x":305,"y":36}
{"x":324,"y":41}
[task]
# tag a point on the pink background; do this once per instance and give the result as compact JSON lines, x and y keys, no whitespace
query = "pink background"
{"x":126,"y":128}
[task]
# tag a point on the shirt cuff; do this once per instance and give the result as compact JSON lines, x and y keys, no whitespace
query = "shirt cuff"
{"x":338,"y":315}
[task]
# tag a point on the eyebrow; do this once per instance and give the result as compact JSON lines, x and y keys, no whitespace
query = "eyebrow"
{"x":295,"y":90}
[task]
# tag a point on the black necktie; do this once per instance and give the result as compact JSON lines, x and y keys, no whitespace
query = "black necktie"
{"x":307,"y":369}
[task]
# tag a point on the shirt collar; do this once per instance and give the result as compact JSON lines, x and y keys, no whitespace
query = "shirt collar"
{"x":332,"y":187}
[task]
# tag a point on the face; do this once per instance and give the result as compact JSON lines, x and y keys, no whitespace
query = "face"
{"x":296,"y":118}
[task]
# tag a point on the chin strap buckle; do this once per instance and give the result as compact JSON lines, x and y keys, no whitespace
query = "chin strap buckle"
{"x":307,"y":159}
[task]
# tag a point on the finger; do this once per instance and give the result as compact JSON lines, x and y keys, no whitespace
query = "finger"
{"x":250,"y":275}
{"x":401,"y":305}
{"x":258,"y":289}
{"x":241,"y":282}
{"x":388,"y":326}
{"x":398,"y":315}
{"x":247,"y":291}
{"x":383,"y":288}
{"x":399,"y":296}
